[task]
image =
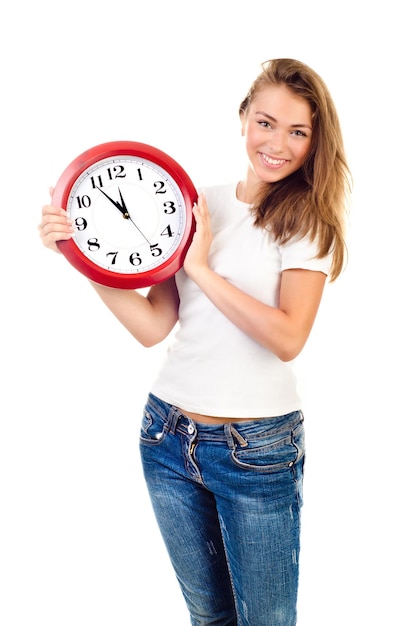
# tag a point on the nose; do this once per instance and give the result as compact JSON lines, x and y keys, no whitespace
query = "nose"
{"x":278,"y":142}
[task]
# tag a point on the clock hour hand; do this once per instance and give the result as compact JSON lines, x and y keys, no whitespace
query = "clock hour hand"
{"x":120,"y":207}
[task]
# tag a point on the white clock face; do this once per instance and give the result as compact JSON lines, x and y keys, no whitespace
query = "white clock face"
{"x":129,"y":214}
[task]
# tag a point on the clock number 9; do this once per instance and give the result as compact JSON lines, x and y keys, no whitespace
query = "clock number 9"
{"x":81,"y":223}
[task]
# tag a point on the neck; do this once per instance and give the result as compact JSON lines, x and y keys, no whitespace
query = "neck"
{"x":246,"y":193}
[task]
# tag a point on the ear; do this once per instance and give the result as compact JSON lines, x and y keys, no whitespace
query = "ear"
{"x":242,"y":118}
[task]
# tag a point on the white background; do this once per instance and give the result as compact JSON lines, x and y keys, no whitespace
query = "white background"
{"x":79,"y":545}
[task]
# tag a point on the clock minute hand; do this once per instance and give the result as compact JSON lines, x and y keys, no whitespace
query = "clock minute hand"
{"x":128,"y":216}
{"x":122,"y":207}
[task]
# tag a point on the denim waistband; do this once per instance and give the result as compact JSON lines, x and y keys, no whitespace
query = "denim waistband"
{"x":177,"y":421}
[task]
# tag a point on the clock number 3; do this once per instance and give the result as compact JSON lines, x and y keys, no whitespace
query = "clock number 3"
{"x":169,"y":207}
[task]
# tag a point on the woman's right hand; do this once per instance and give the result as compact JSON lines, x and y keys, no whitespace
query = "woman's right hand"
{"x":54,"y":226}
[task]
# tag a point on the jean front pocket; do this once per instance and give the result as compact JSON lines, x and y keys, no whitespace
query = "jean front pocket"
{"x":272,"y":451}
{"x":152,"y":430}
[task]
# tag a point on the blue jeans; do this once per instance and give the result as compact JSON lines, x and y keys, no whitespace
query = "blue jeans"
{"x":227,"y":499}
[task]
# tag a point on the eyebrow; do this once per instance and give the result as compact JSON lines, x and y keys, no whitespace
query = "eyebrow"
{"x":270,"y":117}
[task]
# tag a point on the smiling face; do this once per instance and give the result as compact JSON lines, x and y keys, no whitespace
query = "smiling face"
{"x":278,"y":128}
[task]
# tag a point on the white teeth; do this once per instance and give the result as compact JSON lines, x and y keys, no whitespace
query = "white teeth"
{"x":273,"y":161}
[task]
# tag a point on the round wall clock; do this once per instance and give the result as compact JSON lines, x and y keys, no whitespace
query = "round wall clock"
{"x":131,"y":205}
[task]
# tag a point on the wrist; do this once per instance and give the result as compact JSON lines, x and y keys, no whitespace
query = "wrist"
{"x":199,"y":273}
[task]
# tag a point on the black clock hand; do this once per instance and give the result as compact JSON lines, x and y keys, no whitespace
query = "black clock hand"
{"x":127,"y":215}
{"x":121,"y":206}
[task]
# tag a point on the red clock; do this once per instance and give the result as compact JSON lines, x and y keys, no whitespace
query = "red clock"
{"x":131,"y":205}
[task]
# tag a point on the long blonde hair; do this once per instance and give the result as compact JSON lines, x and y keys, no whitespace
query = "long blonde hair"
{"x":312,"y":200}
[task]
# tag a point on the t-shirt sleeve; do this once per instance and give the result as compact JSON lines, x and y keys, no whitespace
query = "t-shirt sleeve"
{"x":301,"y":253}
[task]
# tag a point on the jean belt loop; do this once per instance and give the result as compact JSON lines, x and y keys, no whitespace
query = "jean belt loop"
{"x":172,"y":419}
{"x":236,"y":436}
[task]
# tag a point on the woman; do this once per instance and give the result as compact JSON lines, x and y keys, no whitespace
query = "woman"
{"x":222,"y":437}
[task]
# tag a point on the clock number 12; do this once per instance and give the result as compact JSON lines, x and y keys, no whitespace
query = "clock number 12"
{"x":117,"y":171}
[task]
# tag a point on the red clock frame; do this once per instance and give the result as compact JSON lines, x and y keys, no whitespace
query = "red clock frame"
{"x":129,"y":148}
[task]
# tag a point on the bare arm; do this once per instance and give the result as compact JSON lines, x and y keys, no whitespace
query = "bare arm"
{"x":148,"y":318}
{"x":283,"y":330}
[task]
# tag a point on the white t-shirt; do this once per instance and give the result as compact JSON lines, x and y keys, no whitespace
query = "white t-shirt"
{"x":212,"y":367}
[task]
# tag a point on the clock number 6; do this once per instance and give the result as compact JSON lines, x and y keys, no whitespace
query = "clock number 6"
{"x":135,"y":258}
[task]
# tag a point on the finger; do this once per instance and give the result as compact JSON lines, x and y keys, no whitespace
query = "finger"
{"x":54,"y":225}
{"x":196,"y":210}
{"x":56,"y":220}
{"x":50,"y":209}
{"x":50,"y":234}
{"x":204,"y":211}
{"x":201,"y":201}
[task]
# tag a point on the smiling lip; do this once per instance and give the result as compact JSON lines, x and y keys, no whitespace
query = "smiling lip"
{"x":273,"y":162}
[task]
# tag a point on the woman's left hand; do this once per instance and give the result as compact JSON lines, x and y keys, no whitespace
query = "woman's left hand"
{"x":197,"y":254}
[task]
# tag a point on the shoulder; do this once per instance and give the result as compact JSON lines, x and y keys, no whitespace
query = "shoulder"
{"x":301,"y":252}
{"x":217,"y":194}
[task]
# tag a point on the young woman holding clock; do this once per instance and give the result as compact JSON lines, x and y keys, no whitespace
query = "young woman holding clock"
{"x":222,"y":435}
